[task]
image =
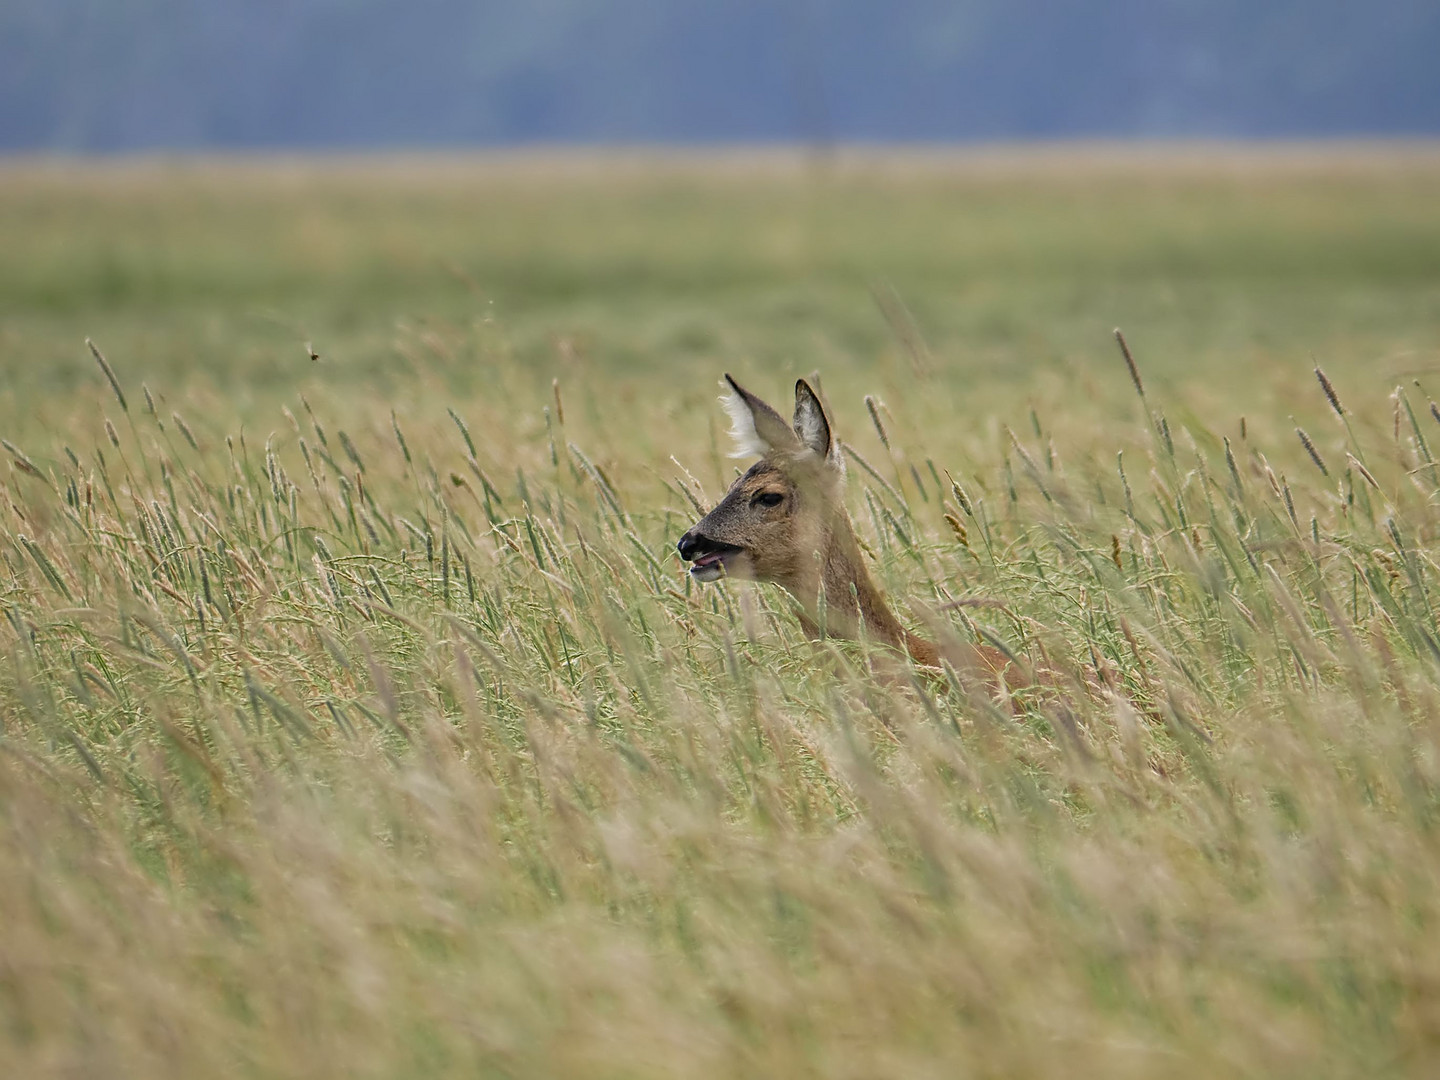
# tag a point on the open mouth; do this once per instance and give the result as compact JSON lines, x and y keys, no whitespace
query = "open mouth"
{"x":711,"y":564}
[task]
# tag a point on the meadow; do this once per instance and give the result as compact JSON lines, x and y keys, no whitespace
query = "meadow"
{"x":358,"y":719}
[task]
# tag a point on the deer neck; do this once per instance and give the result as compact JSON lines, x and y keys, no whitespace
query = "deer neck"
{"x":850,"y":599}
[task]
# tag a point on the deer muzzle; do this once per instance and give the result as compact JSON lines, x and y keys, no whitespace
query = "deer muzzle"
{"x":707,"y":556}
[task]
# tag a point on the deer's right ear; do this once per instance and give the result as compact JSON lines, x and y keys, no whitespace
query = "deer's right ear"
{"x":757,"y":428}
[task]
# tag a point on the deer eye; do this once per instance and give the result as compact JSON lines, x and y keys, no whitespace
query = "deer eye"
{"x":768,"y":498}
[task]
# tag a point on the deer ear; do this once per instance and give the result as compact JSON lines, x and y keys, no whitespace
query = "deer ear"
{"x":757,"y":428}
{"x":812,"y":426}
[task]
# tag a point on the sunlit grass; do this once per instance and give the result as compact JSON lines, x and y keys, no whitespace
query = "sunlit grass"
{"x":362,"y":733}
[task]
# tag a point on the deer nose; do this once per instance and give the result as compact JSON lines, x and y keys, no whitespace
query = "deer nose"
{"x":689,"y":546}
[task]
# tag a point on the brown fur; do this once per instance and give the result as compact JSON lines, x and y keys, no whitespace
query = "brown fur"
{"x":805,"y":543}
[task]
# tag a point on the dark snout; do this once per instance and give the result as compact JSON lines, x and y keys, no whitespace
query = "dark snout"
{"x":694,"y":544}
{"x":709,"y":558}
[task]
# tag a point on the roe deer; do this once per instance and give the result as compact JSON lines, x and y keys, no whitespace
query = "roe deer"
{"x":784,"y":521}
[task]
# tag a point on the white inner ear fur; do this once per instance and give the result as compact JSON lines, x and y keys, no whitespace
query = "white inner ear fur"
{"x":748,"y":442}
{"x":810,"y":425}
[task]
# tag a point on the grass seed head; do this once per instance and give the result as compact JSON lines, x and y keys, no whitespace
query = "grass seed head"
{"x":1130,"y":362}
{"x":1310,"y":449}
{"x":1330,"y":394}
{"x":109,"y":374}
{"x":873,"y":409}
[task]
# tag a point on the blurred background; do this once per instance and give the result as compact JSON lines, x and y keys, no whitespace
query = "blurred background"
{"x":108,"y":75}
{"x":975,"y":191}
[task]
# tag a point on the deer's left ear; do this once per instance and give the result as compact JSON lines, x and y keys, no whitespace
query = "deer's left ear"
{"x":811,"y":424}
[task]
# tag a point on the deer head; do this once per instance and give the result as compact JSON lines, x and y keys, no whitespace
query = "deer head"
{"x":784,"y":521}
{"x":782,"y":513}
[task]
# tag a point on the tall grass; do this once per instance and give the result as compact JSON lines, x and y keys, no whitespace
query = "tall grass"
{"x":396,"y":744}
{"x":356,"y":718}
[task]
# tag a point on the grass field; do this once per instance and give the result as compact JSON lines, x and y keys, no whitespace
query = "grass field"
{"x":357,"y":719}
